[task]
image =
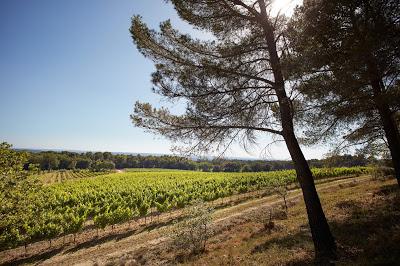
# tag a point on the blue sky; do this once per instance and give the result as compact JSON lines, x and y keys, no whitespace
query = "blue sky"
{"x":69,"y":76}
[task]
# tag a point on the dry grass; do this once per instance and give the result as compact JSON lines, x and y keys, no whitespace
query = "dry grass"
{"x":363,"y":217}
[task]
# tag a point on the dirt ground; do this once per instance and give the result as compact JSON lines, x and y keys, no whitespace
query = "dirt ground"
{"x":238,"y":237}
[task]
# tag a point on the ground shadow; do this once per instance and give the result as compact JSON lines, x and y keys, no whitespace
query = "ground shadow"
{"x":368,"y":236}
{"x":36,"y":258}
{"x":111,"y":236}
{"x":371,"y":234}
{"x":121,"y":235}
{"x":101,"y":240}
{"x":289,"y":242}
{"x":156,"y":225}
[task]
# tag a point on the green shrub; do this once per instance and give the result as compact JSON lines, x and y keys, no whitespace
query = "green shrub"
{"x":192,"y":233}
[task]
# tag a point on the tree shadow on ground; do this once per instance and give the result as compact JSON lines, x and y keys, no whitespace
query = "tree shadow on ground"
{"x":36,"y":258}
{"x":158,"y":224}
{"x":113,"y":236}
{"x":101,"y":240}
{"x":372,"y":232}
{"x":369,"y":235}
{"x":121,"y":235}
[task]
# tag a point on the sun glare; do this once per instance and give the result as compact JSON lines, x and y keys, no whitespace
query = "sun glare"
{"x":284,"y":6}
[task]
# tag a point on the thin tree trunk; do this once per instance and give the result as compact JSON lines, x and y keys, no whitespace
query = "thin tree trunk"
{"x":389,"y":124}
{"x":205,"y":237}
{"x":324,"y":243}
{"x":392,"y":136}
{"x":286,"y":207}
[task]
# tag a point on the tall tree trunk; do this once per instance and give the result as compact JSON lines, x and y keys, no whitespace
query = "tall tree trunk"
{"x":324,"y":243}
{"x":389,"y":124}
{"x":392,"y":136}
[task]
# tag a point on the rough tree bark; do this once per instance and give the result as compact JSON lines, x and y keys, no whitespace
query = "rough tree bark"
{"x":324,"y":243}
{"x":199,"y":120}
{"x":389,"y":124}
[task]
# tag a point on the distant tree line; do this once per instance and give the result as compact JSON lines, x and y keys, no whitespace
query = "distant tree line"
{"x":51,"y":160}
{"x":100,"y":161}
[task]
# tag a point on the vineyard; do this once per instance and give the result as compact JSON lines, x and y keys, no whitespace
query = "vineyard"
{"x":63,"y":175}
{"x":154,"y":170}
{"x":64,"y":208}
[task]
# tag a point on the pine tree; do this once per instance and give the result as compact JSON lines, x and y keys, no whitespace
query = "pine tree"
{"x":347,"y":55}
{"x":233,"y":84}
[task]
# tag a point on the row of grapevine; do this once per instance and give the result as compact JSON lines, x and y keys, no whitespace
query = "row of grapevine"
{"x":63,"y":175}
{"x":63,"y":208}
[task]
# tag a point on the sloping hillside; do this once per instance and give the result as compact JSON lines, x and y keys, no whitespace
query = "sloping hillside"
{"x":362,"y":213}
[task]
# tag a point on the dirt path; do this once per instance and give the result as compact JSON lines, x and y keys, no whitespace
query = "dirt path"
{"x":146,"y":240}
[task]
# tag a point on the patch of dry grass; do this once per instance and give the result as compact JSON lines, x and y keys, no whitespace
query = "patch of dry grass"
{"x":364,"y":219}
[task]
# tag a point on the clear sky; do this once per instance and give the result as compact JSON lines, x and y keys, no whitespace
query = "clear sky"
{"x":69,"y":76}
